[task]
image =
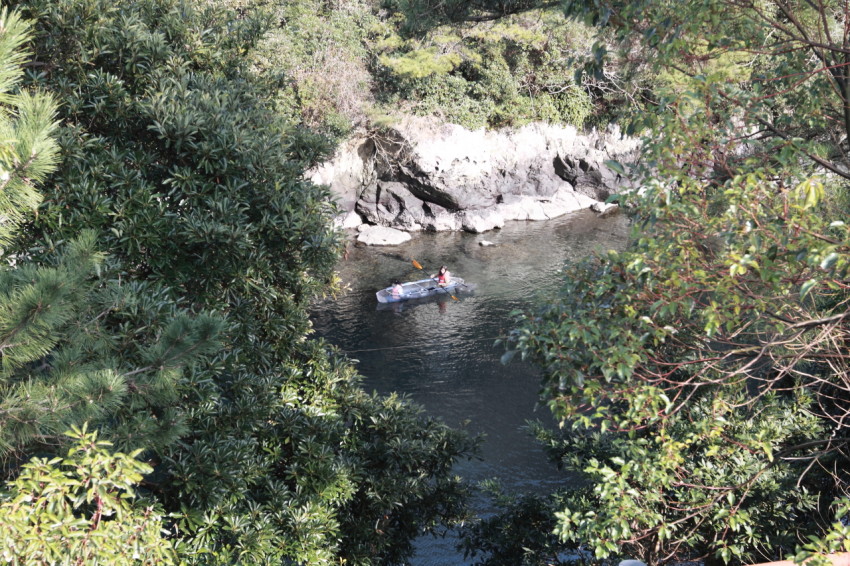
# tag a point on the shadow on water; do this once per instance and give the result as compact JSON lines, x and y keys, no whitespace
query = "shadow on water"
{"x":441,"y":352}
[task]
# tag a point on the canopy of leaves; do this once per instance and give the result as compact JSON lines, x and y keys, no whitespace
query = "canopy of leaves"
{"x":703,"y":373}
{"x":355,"y":64}
{"x":423,"y":14}
{"x":27,"y":152}
{"x":172,"y":155}
{"x":317,"y":57}
{"x":59,"y":365}
{"x":82,"y":509}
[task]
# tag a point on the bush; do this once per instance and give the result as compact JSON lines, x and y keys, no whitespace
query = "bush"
{"x":487,"y":75}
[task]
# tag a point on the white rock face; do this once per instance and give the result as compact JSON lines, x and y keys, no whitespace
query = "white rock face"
{"x":347,"y":173}
{"x":438,"y":176}
{"x":382,"y":236}
{"x":543,"y":208}
{"x":348,"y":220}
{"x":478,"y":221}
{"x":605,"y":209}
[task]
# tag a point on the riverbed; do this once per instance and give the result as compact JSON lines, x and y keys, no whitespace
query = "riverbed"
{"x":442,"y":353}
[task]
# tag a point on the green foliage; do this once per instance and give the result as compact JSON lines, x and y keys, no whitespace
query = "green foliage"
{"x":649,"y":486}
{"x":425,"y":14}
{"x":59,"y":366}
{"x":421,"y":63}
{"x":175,"y":155}
{"x":694,"y":380}
{"x":27,"y":153}
{"x":316,"y":58}
{"x":82,"y":509}
{"x":520,"y":534}
{"x":701,"y":376}
{"x":492,"y":74}
{"x":38,"y":304}
{"x":332,"y":66}
{"x":448,"y":96}
{"x":836,"y":540}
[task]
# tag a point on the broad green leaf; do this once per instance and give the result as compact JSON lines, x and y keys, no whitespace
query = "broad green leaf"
{"x":829,"y":261}
{"x":615,"y":166}
{"x":807,"y":286}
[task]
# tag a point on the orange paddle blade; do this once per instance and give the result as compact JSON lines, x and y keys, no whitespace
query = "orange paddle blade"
{"x":416,"y":264}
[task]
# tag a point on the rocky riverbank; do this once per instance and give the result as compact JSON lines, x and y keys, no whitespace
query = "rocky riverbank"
{"x":422,"y":174}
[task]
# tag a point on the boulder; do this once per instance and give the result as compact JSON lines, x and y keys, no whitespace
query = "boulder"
{"x":348,"y":220}
{"x":389,"y":203}
{"x":438,"y":219}
{"x":543,"y":208}
{"x":605,"y":209}
{"x":589,"y":177}
{"x":478,"y":221}
{"x":461,"y":170}
{"x":382,"y":236}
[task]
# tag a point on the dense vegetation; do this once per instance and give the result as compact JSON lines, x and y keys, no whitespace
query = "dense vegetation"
{"x":159,"y":294}
{"x":157,"y":365}
{"x":702,"y":375}
{"x":360,"y":63}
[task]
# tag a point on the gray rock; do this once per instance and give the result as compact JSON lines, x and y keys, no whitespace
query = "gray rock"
{"x":605,"y":209}
{"x":423,"y":174}
{"x":543,"y":208}
{"x":389,"y":203}
{"x":348,"y":220}
{"x":440,"y":219}
{"x":350,"y":170}
{"x":589,"y":176}
{"x":478,"y":221}
{"x":382,"y":236}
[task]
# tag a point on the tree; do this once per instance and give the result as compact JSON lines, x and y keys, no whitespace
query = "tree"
{"x":491,"y":74}
{"x":81,"y":509}
{"x":520,"y":533}
{"x":734,"y":295}
{"x":703,"y":373}
{"x":57,"y":369}
{"x":173,"y":154}
{"x":28,"y":153}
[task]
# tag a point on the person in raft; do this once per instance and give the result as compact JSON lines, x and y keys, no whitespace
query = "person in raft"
{"x":442,"y":276}
{"x":397,"y":289}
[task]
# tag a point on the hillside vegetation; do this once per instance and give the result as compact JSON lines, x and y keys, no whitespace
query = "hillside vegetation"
{"x":360,"y":63}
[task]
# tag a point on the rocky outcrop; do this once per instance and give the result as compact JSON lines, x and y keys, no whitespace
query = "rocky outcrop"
{"x":604,"y":209}
{"x":351,"y":169}
{"x":381,"y":236}
{"x":423,"y":174}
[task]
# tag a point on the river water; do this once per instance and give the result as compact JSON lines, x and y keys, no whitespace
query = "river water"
{"x":441,"y":352}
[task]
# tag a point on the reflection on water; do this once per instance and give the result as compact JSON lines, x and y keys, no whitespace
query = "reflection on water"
{"x":440,"y":351}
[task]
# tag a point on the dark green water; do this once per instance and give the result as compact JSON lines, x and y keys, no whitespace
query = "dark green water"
{"x":442,"y":353}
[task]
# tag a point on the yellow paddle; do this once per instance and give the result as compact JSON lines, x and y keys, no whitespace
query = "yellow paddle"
{"x":417,"y":265}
